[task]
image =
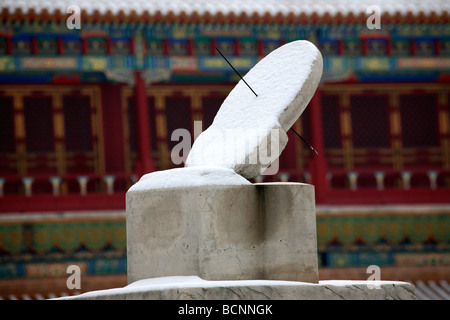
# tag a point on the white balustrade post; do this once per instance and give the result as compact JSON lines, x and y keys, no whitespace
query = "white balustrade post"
{"x":28,"y":182}
{"x":432,"y":175}
{"x":56,"y":183}
{"x":109,"y":180}
{"x":353,"y":179}
{"x":83,"y":180}
{"x":379,"y":177}
{"x":283,"y":177}
{"x":329,"y":177}
{"x":2,"y":184}
{"x":406,"y":179}
{"x":259,"y":179}
{"x":307,"y":177}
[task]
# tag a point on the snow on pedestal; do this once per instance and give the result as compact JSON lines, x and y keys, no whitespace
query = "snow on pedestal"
{"x":196,"y":288}
{"x":189,"y":177}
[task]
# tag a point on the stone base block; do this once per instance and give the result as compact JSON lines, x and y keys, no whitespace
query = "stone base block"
{"x":240,"y":232}
{"x":194,"y":288}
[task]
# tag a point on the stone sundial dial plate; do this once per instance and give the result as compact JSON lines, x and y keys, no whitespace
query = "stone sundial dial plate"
{"x":249,"y":131}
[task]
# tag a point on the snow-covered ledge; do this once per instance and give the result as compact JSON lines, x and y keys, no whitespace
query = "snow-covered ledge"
{"x":195,"y":288}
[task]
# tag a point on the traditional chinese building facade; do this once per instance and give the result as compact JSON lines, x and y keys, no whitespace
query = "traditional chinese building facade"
{"x":85,"y":112}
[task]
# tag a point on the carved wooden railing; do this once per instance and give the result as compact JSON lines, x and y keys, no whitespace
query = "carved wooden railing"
{"x":107,"y":191}
{"x":65,"y":192}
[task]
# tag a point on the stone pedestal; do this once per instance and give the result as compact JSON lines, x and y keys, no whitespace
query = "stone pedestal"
{"x":260,"y":231}
{"x":194,"y":288}
{"x":234,"y":242}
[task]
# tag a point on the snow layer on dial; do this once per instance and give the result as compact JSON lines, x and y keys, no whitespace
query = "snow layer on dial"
{"x":247,"y":126}
{"x":188,"y":177}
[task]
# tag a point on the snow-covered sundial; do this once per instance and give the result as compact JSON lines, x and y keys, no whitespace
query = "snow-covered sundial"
{"x":249,"y":130}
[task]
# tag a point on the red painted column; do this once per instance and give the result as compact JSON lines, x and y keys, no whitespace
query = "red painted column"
{"x":389,"y":46}
{"x":341,"y":47}
{"x":413,"y":47}
{"x":34,"y":46}
{"x":213,"y":47}
{"x":145,"y":162}
{"x":260,"y":48}
{"x":190,"y":45}
{"x":8,"y":45}
{"x":166,"y":47}
{"x":237,"y":47}
{"x":60,"y":45}
{"x":437,"y":45}
{"x":109,"y":46}
{"x":84,"y":45}
{"x":365,"y":47}
{"x":132,"y":44}
{"x":317,"y":163}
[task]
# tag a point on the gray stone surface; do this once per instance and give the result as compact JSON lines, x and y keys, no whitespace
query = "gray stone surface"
{"x":261,"y":231}
{"x":270,"y":290}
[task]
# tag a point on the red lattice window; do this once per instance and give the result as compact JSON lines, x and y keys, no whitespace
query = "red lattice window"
{"x":77,"y":123}
{"x":369,"y":115}
{"x":132,"y":124}
{"x":210,"y":107}
{"x":6,"y":125}
{"x":330,"y":121}
{"x":38,"y":124}
{"x":178,"y":116}
{"x":419,"y":120}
